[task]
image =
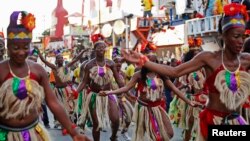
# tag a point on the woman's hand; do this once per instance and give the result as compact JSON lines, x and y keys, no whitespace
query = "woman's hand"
{"x":80,"y":137}
{"x":194,"y":104}
{"x":104,"y":93}
{"x":131,"y":56}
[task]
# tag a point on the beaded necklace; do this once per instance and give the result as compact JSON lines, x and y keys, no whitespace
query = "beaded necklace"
{"x":152,"y":82}
{"x":232,"y":77}
{"x":101,"y":69}
{"x":20,"y":86}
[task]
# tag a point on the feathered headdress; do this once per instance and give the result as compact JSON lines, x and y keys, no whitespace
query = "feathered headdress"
{"x":21,"y":26}
{"x":195,"y":43}
{"x":235,"y":16}
{"x":97,"y":38}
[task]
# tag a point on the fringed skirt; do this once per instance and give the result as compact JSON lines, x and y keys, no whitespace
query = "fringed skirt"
{"x":213,"y":117}
{"x":33,"y":132}
{"x":81,"y":101}
{"x":180,"y":112}
{"x":149,"y":119}
{"x":126,"y":109}
{"x":100,"y":105}
{"x":67,"y":96}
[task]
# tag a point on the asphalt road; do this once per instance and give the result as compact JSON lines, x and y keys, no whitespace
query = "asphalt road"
{"x":56,"y":134}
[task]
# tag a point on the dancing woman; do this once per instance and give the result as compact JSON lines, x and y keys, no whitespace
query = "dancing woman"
{"x":227,"y":81}
{"x":23,"y":87}
{"x":149,"y":114}
{"x":98,"y":75}
{"x":64,"y":89}
{"x":125,"y":107}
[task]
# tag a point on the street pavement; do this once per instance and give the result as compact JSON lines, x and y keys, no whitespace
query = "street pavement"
{"x":56,"y":134}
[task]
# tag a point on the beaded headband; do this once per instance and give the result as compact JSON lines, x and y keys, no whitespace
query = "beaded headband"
{"x":235,"y":16}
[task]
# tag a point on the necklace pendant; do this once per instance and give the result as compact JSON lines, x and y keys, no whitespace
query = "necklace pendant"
{"x":101,"y":71}
{"x":232,"y":80}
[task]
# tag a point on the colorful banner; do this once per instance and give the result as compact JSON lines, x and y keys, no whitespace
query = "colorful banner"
{"x":46,"y":41}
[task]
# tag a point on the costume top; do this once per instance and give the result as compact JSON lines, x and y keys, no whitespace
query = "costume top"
{"x":101,"y":75}
{"x":153,"y":88}
{"x":20,"y":97}
{"x":233,"y":87}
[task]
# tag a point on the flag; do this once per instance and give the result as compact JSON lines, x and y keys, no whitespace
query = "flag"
{"x":109,"y":3}
{"x":46,"y":41}
{"x":92,"y":5}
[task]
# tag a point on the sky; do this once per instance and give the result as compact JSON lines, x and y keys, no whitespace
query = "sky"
{"x":42,"y":10}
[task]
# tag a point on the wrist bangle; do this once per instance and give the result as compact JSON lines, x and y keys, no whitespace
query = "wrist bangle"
{"x":143,"y":60}
{"x":65,"y":132}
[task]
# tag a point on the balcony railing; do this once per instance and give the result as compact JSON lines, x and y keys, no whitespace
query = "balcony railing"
{"x":202,"y":25}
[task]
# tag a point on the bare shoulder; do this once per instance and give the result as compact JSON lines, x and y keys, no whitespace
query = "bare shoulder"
{"x":3,"y":69}
{"x":36,"y":68}
{"x":90,"y":64}
{"x":208,"y":54}
{"x":84,"y":63}
{"x":109,"y":62}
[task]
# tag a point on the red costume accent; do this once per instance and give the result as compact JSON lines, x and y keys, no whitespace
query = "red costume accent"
{"x":210,"y":80}
{"x":206,"y":118}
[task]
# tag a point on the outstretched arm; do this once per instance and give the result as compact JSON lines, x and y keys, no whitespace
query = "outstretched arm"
{"x":79,"y":56}
{"x":82,"y":69}
{"x":116,"y":75}
{"x":56,"y":108}
{"x":85,"y":79}
{"x":196,"y":63}
{"x":52,"y":66}
{"x":125,"y":88}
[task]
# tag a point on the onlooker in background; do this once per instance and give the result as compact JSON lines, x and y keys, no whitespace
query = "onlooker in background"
{"x":130,"y":70}
{"x":2,"y":44}
{"x":147,"y":4}
{"x":197,"y":15}
{"x":172,"y":11}
{"x":189,"y":3}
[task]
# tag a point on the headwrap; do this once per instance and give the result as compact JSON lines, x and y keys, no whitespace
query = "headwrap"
{"x":20,"y":27}
{"x":235,"y":16}
{"x":194,"y":43}
{"x":97,"y":38}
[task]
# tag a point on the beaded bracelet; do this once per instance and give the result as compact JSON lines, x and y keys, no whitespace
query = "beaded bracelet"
{"x":143,"y":60}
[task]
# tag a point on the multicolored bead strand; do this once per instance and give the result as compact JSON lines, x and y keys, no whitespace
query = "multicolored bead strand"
{"x":152,"y":83}
{"x":232,"y":80}
{"x":19,"y":88}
